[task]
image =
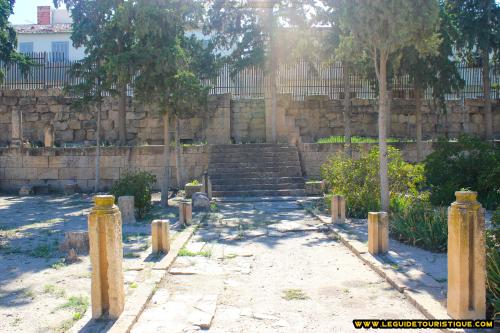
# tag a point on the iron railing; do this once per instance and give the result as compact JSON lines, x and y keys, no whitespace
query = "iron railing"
{"x":299,"y":79}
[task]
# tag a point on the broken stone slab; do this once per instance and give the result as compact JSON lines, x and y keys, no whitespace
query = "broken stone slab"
{"x":200,"y":201}
{"x":292,"y":227}
{"x":26,"y":190}
{"x":127,"y":209}
{"x":204,"y":312}
{"x":77,"y":240}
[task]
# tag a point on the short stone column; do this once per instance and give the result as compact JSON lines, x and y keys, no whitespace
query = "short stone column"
{"x":17,"y":128}
{"x":127,"y":208}
{"x":185,"y":212}
{"x":48,"y":136}
{"x":207,"y":185}
{"x":338,"y":209}
{"x":160,"y":236}
{"x":466,"y":258}
{"x":106,"y":253}
{"x":378,"y":232}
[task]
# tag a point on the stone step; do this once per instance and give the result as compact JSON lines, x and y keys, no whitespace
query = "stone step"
{"x":250,"y":164}
{"x":256,"y":168}
{"x":255,"y":157}
{"x":255,"y":174}
{"x":260,"y":193}
{"x":250,"y":147}
{"x":260,"y":180}
{"x":246,"y":186}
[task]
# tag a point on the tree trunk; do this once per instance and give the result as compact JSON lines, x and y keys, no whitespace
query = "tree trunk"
{"x":418,"y":121}
{"x":166,"y":161}
{"x":98,"y":149}
{"x":122,"y":116}
{"x":347,"y":111}
{"x":488,"y":116}
{"x":382,"y":133}
{"x":178,"y":155}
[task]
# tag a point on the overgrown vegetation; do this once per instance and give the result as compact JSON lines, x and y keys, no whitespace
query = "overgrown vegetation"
{"x":359,"y":139}
{"x":415,"y":221}
{"x":357,"y":179}
{"x":468,"y":163}
{"x":493,"y":267}
{"x":138,"y":184}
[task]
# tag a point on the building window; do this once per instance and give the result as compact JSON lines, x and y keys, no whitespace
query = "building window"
{"x":60,"y":51}
{"x":26,"y":47}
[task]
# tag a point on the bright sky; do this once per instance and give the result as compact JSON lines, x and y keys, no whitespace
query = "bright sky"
{"x":25,"y":10}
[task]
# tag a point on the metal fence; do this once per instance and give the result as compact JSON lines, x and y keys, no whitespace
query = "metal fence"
{"x":299,"y":79}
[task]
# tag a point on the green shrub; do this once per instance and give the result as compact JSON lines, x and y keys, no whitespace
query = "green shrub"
{"x":194,"y":182}
{"x":138,"y":184}
{"x":416,"y":222}
{"x":469,"y":163}
{"x":493,"y":267}
{"x":358,"y":179}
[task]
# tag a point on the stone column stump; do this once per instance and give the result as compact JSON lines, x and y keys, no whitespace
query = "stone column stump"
{"x":127,"y":209}
{"x":378,"y":232}
{"x":160,"y":235}
{"x":48,"y":136}
{"x":466,"y":258}
{"x":207,"y":185}
{"x":338,"y":209}
{"x":185,"y":212}
{"x":106,"y":253}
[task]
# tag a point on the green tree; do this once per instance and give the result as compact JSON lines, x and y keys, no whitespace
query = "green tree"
{"x":171,"y":65}
{"x":437,"y":71}
{"x":379,"y":28}
{"x":8,"y":39}
{"x":259,"y":33}
{"x":98,"y":26}
{"x":478,"y":22}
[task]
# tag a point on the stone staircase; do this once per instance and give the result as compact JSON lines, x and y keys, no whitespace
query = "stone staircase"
{"x":255,"y":170}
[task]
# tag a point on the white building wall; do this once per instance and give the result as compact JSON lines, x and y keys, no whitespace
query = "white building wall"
{"x":43,"y":43}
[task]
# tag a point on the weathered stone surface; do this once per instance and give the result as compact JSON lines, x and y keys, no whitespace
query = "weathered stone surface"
{"x":76,"y":240}
{"x":26,"y":190}
{"x":314,"y":188}
{"x":71,"y":188}
{"x":200,"y":201}
{"x":378,"y":232}
{"x":106,"y":252}
{"x":190,"y":189}
{"x":160,"y":236}
{"x":466,"y":258}
{"x":338,"y":209}
{"x":127,"y":209}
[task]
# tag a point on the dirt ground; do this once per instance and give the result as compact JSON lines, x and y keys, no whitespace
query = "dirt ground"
{"x":39,"y":292}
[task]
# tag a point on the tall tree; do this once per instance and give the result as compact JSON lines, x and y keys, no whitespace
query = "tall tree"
{"x":98,"y":27}
{"x":259,"y":33}
{"x":171,"y":65}
{"x":379,"y":28}
{"x":478,"y":22}
{"x":437,"y":71}
{"x":8,"y":39}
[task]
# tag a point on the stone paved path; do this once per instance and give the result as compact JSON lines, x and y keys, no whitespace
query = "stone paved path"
{"x":268,"y":267}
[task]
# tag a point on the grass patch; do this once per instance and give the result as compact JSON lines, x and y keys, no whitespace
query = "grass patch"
{"x":294,"y":295}
{"x":53,"y":291}
{"x":29,"y":294}
{"x":79,"y":305}
{"x":358,"y":139}
{"x":58,"y":265}
{"x":213,"y":207}
{"x":42,"y":251}
{"x":187,"y":253}
{"x":133,"y":285}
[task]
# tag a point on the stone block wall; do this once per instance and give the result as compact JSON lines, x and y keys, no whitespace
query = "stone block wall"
{"x":248,"y":121}
{"x":318,"y":117}
{"x":59,"y":166}
{"x":314,"y":155}
{"x":79,"y":124}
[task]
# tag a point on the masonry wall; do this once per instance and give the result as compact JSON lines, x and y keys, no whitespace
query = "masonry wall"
{"x":248,"y":121}
{"x":59,"y":166}
{"x":318,"y":117}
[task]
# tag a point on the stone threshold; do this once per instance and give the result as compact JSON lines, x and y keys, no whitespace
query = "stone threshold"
{"x":136,"y":302}
{"x":426,"y":290}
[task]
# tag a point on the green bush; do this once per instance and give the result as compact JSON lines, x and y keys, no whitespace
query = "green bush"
{"x":493,"y":267}
{"x":138,"y":184}
{"x":358,"y":179}
{"x":416,"y":222}
{"x":469,"y":163}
